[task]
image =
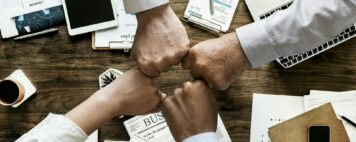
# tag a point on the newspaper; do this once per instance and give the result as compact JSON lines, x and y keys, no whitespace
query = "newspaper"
{"x":14,"y":8}
{"x":215,"y":16}
{"x":153,"y":128}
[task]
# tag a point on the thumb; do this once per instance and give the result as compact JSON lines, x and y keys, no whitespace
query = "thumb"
{"x":158,"y":108}
{"x":186,"y":63}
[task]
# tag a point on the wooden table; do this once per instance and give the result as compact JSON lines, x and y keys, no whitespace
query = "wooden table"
{"x":65,"y":72}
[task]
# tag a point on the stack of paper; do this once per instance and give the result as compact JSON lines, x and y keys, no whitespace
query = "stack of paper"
{"x":269,"y":110}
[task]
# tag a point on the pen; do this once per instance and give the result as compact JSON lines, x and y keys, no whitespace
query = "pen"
{"x":36,"y":34}
{"x":211,"y":7}
{"x":348,"y":120}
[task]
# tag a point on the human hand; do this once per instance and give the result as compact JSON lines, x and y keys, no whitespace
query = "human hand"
{"x":161,"y":40}
{"x":190,"y":110}
{"x":133,"y":93}
{"x":218,"y":61}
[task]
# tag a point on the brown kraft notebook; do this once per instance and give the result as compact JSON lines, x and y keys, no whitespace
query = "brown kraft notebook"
{"x":296,"y":129}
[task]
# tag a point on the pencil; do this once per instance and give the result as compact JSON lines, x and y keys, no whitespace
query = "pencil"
{"x":348,"y":120}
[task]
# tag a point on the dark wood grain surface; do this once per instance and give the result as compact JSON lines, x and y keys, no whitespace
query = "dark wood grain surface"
{"x":65,"y":72}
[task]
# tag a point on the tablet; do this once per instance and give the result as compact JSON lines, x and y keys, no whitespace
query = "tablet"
{"x":83,"y":16}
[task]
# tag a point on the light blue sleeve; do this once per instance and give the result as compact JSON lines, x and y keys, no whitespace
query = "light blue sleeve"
{"x":203,"y":137}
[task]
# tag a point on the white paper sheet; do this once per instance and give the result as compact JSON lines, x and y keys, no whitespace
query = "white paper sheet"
{"x":344,"y":103}
{"x":93,"y":137}
{"x":122,"y":36}
{"x":269,"y":110}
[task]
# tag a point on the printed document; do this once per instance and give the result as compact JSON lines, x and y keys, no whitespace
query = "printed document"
{"x":12,"y":8}
{"x":153,"y":128}
{"x":269,"y":110}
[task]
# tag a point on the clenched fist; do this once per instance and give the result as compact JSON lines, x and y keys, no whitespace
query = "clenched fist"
{"x":160,"y":42}
{"x":218,"y":61}
{"x":191,"y":110}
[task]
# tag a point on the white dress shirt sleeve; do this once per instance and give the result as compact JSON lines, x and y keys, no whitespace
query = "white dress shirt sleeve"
{"x":55,"y":128}
{"x":134,"y":6}
{"x":304,"y":25}
{"x":203,"y":137}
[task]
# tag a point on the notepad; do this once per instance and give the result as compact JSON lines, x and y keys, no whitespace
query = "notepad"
{"x":198,"y":12}
{"x":117,"y":38}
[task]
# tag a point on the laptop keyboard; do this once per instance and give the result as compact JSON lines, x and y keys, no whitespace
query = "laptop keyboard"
{"x":289,"y":61}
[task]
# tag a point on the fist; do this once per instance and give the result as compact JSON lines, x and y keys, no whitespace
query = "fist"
{"x":190,"y":110}
{"x":136,"y":93}
{"x":160,"y":42}
{"x":218,"y":61}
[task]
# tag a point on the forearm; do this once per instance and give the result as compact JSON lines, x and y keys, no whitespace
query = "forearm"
{"x":92,"y":113}
{"x":304,"y":25}
{"x":96,"y":110}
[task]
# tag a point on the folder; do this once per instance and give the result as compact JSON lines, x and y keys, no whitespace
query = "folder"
{"x":296,"y":129}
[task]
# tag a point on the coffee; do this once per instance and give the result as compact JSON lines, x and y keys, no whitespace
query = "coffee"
{"x":9,"y":91}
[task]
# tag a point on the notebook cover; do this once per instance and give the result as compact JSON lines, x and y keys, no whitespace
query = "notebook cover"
{"x":296,"y":129}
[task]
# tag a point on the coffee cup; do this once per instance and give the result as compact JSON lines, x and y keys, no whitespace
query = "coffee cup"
{"x":11,"y":92}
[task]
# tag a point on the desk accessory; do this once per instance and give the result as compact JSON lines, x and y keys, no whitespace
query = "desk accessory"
{"x":108,"y":76}
{"x":117,"y":38}
{"x":214,"y":15}
{"x":37,"y":34}
{"x":11,"y":92}
{"x":295,"y":129}
{"x":29,"y":89}
{"x":348,"y":120}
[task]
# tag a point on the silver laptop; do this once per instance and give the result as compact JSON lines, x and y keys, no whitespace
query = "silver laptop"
{"x":261,"y":9}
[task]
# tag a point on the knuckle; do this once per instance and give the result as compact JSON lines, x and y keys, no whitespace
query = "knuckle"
{"x":167,"y":102}
{"x":188,"y":85}
{"x":176,"y":91}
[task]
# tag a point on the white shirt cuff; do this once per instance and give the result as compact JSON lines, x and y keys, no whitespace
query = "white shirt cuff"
{"x":203,"y":137}
{"x":255,"y":42}
{"x":135,"y":6}
{"x":55,"y":128}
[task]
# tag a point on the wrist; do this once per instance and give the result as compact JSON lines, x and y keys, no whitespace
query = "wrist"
{"x":157,"y":12}
{"x":233,"y":41}
{"x":109,"y":104}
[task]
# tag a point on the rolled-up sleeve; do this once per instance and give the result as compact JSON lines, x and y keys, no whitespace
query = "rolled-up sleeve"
{"x":304,"y":25}
{"x":55,"y":128}
{"x":135,"y":6}
{"x":203,"y":137}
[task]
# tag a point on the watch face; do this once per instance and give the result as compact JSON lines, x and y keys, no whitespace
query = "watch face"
{"x":108,"y":76}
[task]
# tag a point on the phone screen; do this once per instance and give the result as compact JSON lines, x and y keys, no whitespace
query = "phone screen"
{"x":319,"y":134}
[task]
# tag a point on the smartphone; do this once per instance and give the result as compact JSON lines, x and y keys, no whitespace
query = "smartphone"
{"x":319,"y":133}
